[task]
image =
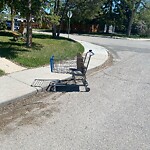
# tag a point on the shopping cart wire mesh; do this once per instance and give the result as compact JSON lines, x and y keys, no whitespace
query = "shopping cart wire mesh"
{"x":62,"y":66}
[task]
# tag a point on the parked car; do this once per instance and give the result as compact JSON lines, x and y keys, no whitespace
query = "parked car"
{"x":16,"y":26}
{"x":8,"y":24}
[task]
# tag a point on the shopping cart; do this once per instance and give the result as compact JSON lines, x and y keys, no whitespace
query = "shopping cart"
{"x":76,"y":67}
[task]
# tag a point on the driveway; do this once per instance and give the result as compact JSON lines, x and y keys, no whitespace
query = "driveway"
{"x":115,"y":114}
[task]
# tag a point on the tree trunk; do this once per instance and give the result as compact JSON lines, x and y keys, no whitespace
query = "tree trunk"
{"x":12,"y":18}
{"x":130,"y":23}
{"x":29,"y":26}
{"x":62,"y":17}
{"x":107,"y":29}
{"x":135,"y":6}
{"x":56,"y":11}
{"x":54,"y":30}
{"x":53,"y":25}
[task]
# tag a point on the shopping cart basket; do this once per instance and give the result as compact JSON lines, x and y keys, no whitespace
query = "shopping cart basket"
{"x":76,"y":67}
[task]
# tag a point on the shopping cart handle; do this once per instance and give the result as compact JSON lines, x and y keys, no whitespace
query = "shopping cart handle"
{"x":91,"y":52}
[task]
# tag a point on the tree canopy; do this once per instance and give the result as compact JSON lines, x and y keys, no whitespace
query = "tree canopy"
{"x":123,"y":14}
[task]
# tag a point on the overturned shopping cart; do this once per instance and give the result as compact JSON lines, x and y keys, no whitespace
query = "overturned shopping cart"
{"x":77,"y":68}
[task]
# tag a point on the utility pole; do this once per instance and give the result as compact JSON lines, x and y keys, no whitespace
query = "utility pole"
{"x":69,"y":14}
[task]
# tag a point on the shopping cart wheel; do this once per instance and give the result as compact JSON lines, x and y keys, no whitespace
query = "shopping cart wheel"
{"x":52,"y":88}
{"x":87,"y":89}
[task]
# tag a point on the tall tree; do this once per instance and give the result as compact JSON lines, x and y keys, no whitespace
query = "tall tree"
{"x":142,"y":20}
{"x":127,"y":11}
{"x":29,"y":23}
{"x":13,"y":12}
{"x":55,"y":17}
{"x":109,"y":13}
{"x":2,"y":5}
{"x":144,"y":14}
{"x":56,"y":13}
{"x":83,"y":10}
{"x":12,"y":4}
{"x":62,"y":16}
{"x":28,"y":9}
{"x":133,"y":7}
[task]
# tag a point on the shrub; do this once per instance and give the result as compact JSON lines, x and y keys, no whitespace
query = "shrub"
{"x":142,"y":28}
{"x":2,"y":25}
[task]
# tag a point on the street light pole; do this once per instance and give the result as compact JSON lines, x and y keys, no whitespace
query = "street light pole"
{"x":68,"y":28}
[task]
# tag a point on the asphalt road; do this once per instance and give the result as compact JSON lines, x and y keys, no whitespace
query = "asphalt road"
{"x":114,"y":115}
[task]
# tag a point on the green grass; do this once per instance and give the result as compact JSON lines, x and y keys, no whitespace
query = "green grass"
{"x":44,"y":46}
{"x":2,"y":72}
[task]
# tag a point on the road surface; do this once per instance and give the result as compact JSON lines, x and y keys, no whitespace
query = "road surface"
{"x":115,"y":114}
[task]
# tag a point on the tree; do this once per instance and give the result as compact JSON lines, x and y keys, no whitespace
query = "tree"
{"x":55,"y":17}
{"x":28,"y":9}
{"x":58,"y":10}
{"x":62,"y":16}
{"x":120,"y":12}
{"x":29,"y":23}
{"x":83,"y":10}
{"x":2,"y":5}
{"x":142,"y":20}
{"x":133,"y":7}
{"x":11,"y":3}
{"x":14,"y":6}
{"x":109,"y":13}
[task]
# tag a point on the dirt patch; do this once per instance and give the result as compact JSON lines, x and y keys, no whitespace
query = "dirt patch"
{"x":30,"y":111}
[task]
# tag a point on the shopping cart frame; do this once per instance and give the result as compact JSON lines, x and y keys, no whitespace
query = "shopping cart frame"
{"x":78,"y":73}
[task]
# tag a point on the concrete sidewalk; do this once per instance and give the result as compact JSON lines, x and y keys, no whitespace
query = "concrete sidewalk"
{"x":18,"y":84}
{"x":9,"y":66}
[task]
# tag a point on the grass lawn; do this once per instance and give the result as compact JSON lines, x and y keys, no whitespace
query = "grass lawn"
{"x":2,"y":72}
{"x":44,"y":46}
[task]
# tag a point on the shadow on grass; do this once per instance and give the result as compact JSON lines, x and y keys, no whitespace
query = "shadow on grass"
{"x":36,"y":46}
{"x":10,"y":53}
{"x":6,"y":33}
{"x":8,"y":49}
{"x":11,"y":43}
{"x":42,"y":36}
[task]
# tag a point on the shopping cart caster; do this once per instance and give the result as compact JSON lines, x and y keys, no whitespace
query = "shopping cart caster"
{"x":52,"y":88}
{"x":87,"y":89}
